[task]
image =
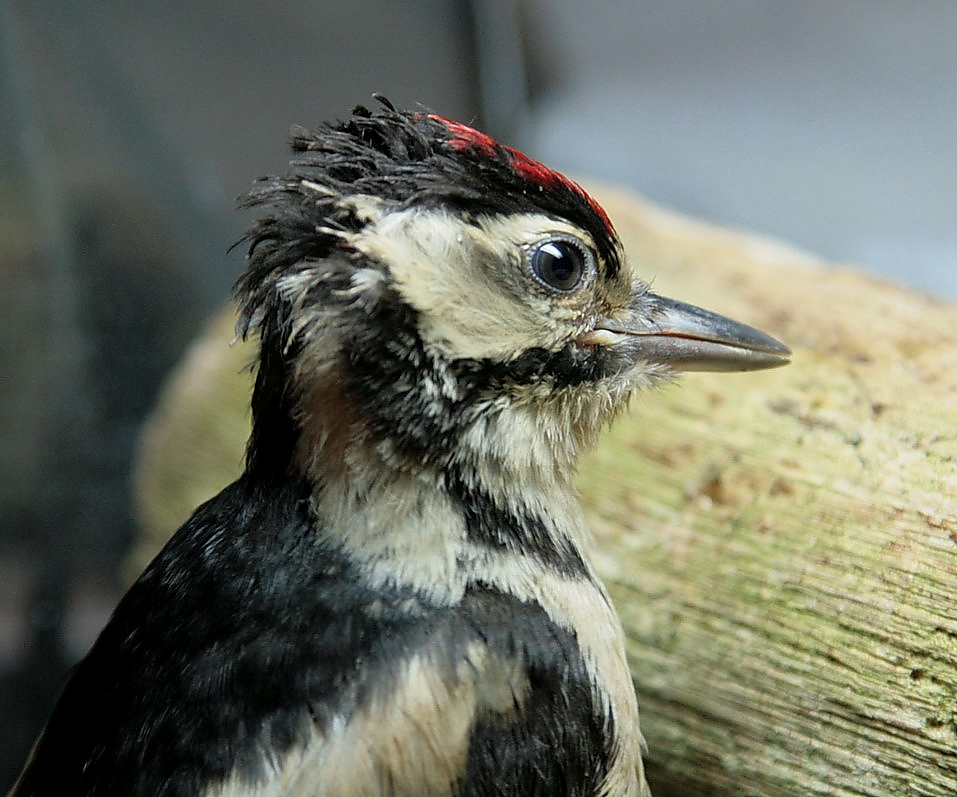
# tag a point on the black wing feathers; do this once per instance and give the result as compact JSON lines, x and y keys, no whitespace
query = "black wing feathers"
{"x":247,"y":633}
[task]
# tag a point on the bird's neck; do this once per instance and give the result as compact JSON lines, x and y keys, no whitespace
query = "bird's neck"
{"x":506,"y":507}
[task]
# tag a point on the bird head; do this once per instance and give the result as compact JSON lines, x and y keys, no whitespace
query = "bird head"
{"x":426,"y":296}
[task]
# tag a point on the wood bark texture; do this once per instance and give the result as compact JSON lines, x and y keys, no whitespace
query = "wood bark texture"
{"x":781,"y":546}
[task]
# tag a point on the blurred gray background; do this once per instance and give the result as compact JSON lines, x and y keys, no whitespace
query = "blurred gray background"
{"x":127,"y":128}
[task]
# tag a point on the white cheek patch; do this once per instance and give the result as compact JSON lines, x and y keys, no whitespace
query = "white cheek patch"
{"x":468,"y":281}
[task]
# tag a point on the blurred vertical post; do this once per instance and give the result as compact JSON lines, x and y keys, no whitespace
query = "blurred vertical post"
{"x":503,"y":83}
{"x":52,"y":524}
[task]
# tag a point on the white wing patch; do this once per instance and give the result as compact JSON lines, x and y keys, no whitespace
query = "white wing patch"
{"x":412,"y":742}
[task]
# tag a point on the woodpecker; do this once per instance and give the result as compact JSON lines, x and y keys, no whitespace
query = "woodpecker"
{"x":396,"y":597}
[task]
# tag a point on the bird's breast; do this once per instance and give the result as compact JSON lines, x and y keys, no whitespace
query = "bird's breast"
{"x":516,"y":576}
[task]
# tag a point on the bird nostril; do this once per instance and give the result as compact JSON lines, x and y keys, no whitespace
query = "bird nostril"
{"x":598,"y":337}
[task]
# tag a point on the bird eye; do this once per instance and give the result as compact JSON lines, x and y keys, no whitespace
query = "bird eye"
{"x":559,"y":263}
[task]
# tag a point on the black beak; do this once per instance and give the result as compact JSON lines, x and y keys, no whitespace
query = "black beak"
{"x":689,"y":338}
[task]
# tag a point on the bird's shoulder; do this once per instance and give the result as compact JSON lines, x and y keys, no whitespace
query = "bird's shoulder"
{"x":251,"y":658}
{"x":488,"y":698}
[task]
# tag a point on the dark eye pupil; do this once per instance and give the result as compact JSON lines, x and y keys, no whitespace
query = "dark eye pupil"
{"x":559,"y":264}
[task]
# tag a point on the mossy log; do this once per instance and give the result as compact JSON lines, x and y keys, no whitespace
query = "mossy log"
{"x":782,"y":546}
